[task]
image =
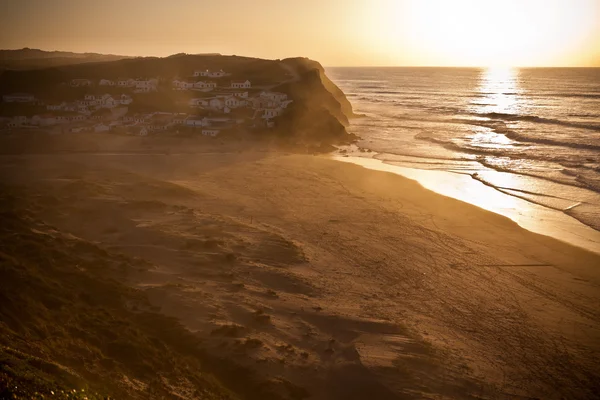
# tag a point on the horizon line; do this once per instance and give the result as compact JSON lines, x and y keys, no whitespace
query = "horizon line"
{"x":329,"y":66}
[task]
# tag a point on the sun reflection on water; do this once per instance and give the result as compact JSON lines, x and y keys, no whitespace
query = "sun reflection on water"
{"x":499,"y":91}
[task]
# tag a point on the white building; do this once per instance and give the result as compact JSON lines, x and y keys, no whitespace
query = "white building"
{"x":210,"y":132}
{"x":112,"y":101}
{"x":145,"y":85}
{"x":108,"y":101}
{"x":272,"y":113}
{"x":179,"y":84}
{"x":241,"y":95}
{"x":241,"y":84}
{"x":56,"y":107}
{"x":18,"y":98}
{"x":80,"y":82}
{"x":179,"y":119}
{"x":274,"y":96}
{"x":211,"y":74}
{"x":196,"y":121}
{"x":216,"y":103}
{"x":16,"y":121}
{"x":126,"y":82}
{"x":124,"y":99}
{"x":79,"y":129}
{"x":101,"y":128}
{"x":106,"y":82}
{"x":198,"y":102}
{"x":205,"y":85}
{"x":73,"y":107}
{"x":44,"y":120}
{"x":234,"y":102}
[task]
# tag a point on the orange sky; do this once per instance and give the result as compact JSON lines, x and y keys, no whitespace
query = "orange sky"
{"x":334,"y":32}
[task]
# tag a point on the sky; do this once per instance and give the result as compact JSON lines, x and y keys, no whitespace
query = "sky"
{"x":333,"y":32}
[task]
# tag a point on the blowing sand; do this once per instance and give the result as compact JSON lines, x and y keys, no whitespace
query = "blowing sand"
{"x":334,"y":281}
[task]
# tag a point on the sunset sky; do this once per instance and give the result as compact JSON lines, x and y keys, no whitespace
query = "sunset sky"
{"x":334,"y":32}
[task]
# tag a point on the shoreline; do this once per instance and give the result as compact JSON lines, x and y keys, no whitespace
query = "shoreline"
{"x":533,"y":217}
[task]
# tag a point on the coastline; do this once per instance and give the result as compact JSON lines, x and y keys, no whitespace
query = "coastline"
{"x":533,"y":217}
{"x":343,"y":278}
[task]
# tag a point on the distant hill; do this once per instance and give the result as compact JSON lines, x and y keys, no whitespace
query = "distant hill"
{"x":27,"y":58}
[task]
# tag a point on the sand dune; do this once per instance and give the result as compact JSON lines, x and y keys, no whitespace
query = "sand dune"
{"x":333,"y":281}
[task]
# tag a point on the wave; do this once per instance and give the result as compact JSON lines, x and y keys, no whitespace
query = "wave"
{"x":569,"y":95}
{"x":481,"y":154}
{"x":535,"y":118}
{"x":547,"y":141}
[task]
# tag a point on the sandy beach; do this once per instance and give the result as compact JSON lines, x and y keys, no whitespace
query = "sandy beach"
{"x":330,"y":280}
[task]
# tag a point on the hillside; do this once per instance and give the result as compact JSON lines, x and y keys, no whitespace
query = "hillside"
{"x":27,"y":58}
{"x":291,"y":98}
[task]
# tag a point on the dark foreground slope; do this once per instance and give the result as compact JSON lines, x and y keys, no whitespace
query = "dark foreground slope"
{"x":71,"y":328}
{"x":67,"y":324}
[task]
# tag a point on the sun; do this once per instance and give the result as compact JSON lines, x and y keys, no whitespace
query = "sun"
{"x":499,"y":33}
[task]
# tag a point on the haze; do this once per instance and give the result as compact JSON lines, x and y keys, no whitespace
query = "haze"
{"x":335,"y":32}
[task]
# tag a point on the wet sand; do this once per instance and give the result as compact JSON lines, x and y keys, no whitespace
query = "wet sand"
{"x":333,"y":281}
{"x":534,"y":217}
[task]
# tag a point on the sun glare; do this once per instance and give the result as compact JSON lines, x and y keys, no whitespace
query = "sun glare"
{"x":497,"y":33}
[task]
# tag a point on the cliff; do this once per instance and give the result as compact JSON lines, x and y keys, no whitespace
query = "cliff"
{"x":319,"y":113}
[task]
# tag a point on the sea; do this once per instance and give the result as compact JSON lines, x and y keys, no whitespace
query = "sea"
{"x":523,"y":142}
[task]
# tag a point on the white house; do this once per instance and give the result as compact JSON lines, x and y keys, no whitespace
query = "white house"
{"x":102,"y":113}
{"x":201,"y":73}
{"x":274,"y":96}
{"x":241,"y":95}
{"x":199,"y":102}
{"x":18,"y":98}
{"x":89,"y":97}
{"x":205,"y":85}
{"x":216,"y":103}
{"x":85,"y":103}
{"x":106,"y":82}
{"x":101,"y":128}
{"x":210,"y":132}
{"x":80,"y":82}
{"x":124,"y":99}
{"x":79,"y":129}
{"x":143,"y":131}
{"x":179,"y":84}
{"x":44,"y":120}
{"x":241,"y":84}
{"x":56,"y":107}
{"x":272,"y":112}
{"x":234,"y":102}
{"x":145,"y":85}
{"x":125,"y":82}
{"x":18,"y":120}
{"x":160,"y":122}
{"x":108,"y":101}
{"x":217,"y":120}
{"x":179,"y":119}
{"x":141,"y":118}
{"x":195,"y":120}
{"x":211,"y":74}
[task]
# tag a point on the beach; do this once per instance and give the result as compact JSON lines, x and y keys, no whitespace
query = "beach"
{"x":330,"y":280}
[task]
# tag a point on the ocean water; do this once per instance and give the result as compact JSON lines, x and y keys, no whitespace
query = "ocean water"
{"x":531,"y":134}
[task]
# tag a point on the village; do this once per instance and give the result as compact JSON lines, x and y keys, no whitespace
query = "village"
{"x":208,"y":102}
